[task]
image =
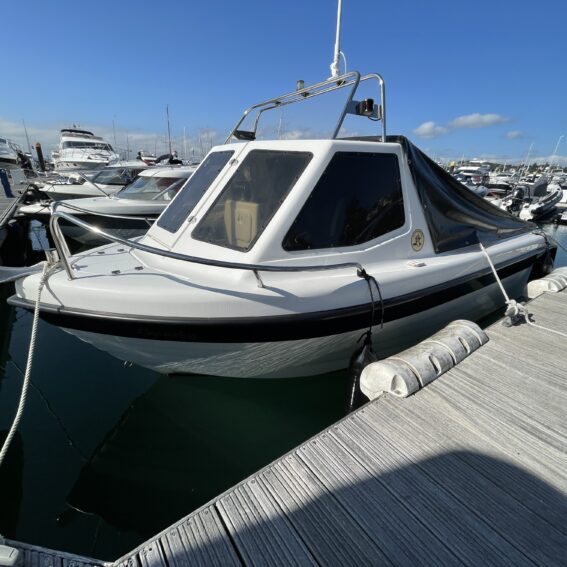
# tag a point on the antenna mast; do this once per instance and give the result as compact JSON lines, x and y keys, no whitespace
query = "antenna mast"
{"x":337,"y":54}
{"x":168,"y":129}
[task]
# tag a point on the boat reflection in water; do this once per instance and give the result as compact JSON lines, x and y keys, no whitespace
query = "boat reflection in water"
{"x":186,"y":440}
{"x":12,"y":469}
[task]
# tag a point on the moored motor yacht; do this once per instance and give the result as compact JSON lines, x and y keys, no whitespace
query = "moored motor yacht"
{"x":277,"y":256}
{"x":82,"y":150}
{"x":127,"y":214}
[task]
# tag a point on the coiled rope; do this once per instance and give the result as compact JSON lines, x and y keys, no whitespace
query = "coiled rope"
{"x":26,"y":382}
{"x":515,"y":310}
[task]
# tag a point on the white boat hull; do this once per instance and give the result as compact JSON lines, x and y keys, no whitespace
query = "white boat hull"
{"x":305,"y":357}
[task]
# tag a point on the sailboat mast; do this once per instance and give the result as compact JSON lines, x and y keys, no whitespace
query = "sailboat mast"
{"x":168,"y":128}
{"x":27,"y":137}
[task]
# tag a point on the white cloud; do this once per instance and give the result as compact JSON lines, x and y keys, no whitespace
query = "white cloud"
{"x":515,"y":135}
{"x":429,"y":130}
{"x":297,"y":134}
{"x":552,"y":159}
{"x":477,"y":120}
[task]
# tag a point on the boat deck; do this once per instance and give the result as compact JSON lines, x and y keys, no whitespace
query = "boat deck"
{"x":470,"y":470}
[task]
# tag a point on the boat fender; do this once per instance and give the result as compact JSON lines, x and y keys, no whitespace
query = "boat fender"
{"x":360,"y":359}
{"x":554,"y":282}
{"x":414,"y":368}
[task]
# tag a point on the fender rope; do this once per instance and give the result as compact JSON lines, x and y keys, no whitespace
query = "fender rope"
{"x":515,"y":310}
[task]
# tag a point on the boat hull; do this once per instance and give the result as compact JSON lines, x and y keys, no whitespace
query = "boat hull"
{"x":304,"y":356}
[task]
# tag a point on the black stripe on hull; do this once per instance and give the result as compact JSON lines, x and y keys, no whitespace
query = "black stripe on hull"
{"x":273,"y":328}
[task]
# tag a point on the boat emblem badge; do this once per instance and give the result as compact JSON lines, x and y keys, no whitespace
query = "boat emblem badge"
{"x":417,"y":240}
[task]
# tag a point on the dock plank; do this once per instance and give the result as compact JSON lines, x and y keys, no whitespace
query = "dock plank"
{"x":484,"y":509}
{"x":36,"y":556}
{"x":260,"y":530}
{"x":404,"y":539}
{"x":472,"y":539}
{"x":505,"y":469}
{"x":152,"y":555}
{"x":330,"y":532}
{"x":200,"y":540}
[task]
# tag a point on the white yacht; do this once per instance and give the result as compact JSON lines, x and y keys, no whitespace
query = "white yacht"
{"x":502,"y":180}
{"x":82,"y":150}
{"x":9,"y":154}
{"x":277,"y":256}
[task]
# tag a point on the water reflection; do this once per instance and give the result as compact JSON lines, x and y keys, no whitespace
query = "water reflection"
{"x":187,"y":439}
{"x":11,"y":471}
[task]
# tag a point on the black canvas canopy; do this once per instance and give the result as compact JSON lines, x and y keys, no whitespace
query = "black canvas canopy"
{"x":455,"y":215}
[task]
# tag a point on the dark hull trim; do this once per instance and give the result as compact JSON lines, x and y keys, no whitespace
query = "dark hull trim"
{"x":8,"y":162}
{"x":274,"y":328}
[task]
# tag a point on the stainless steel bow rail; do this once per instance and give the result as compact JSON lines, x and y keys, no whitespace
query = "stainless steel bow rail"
{"x":64,"y":253}
{"x":68,"y":205}
{"x":352,"y":79}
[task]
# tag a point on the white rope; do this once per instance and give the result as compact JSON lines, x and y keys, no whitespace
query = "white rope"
{"x":25,"y":385}
{"x":516,"y":309}
{"x":506,"y":298}
{"x":532,"y":324}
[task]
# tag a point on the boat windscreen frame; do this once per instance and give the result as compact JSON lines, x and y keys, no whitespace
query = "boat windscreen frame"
{"x":365,"y":108}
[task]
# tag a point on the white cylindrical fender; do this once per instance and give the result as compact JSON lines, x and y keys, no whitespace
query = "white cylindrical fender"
{"x":407,"y":372}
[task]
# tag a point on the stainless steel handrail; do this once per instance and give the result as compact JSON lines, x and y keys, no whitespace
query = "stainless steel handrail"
{"x":350,"y":79}
{"x":68,"y":205}
{"x":64,"y":253}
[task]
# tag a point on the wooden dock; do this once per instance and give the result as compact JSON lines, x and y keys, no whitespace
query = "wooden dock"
{"x":470,"y":470}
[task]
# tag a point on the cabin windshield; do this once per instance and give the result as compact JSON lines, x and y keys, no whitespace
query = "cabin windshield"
{"x":251,"y":197}
{"x":90,"y":145}
{"x":174,"y":216}
{"x":153,"y":188}
{"x":115,"y":176}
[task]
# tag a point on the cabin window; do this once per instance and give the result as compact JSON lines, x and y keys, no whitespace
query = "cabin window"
{"x":173,"y":217}
{"x":357,"y":199}
{"x":251,"y":198}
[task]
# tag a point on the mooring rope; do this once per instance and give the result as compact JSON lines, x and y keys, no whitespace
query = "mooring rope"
{"x":515,"y":309}
{"x":26,"y":382}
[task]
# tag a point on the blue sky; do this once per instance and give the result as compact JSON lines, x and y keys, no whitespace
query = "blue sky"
{"x":475,"y":78}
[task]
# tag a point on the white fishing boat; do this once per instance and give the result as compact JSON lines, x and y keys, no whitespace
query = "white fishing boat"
{"x":277,"y":256}
{"x":82,"y":150}
{"x":127,"y":214}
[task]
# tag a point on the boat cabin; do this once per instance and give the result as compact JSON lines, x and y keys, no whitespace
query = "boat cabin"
{"x":333,"y":200}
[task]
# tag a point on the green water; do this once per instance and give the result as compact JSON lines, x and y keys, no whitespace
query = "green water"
{"x":108,"y":455}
